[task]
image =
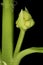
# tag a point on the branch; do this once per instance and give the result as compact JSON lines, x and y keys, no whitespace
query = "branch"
{"x":25,"y":52}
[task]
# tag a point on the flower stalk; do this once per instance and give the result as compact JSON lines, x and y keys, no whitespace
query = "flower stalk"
{"x":19,"y":42}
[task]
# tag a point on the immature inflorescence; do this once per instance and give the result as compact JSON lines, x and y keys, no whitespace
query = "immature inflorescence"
{"x":24,"y":20}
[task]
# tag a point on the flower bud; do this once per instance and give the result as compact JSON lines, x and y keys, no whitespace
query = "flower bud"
{"x":24,"y":20}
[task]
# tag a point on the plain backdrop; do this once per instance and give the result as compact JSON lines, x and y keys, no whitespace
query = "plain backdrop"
{"x":34,"y":35}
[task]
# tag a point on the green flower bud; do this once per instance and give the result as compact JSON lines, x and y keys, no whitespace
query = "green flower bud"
{"x":24,"y":20}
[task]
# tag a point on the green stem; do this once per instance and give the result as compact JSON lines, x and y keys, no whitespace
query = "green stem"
{"x":0,"y":54}
{"x":19,"y":42}
{"x":7,"y":30}
{"x":25,"y":52}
